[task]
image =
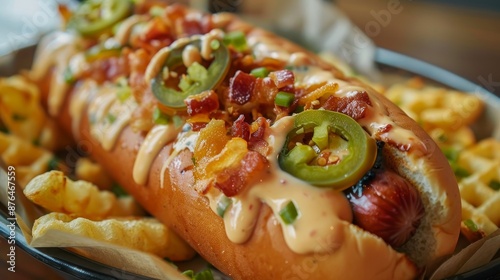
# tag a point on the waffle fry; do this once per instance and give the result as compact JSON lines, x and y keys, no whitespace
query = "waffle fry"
{"x":55,"y":192}
{"x":144,"y":234}
{"x":444,"y":114}
{"x":28,"y":159}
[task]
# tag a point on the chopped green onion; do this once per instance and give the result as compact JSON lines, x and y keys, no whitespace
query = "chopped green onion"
{"x":236,"y":39}
{"x":299,"y":109}
{"x":494,"y":184}
{"x":202,"y":275}
{"x":159,"y":117}
{"x":284,"y":99}
{"x":460,"y":172}
{"x":123,"y":94}
{"x":289,"y":213}
{"x":111,"y":118}
{"x":53,"y":164}
{"x":68,"y":76}
{"x":451,"y":154}
{"x":260,"y":72}
{"x":222,"y":205}
{"x":118,"y":190}
{"x":471,"y":225}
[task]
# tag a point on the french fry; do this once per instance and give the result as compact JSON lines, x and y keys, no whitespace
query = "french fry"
{"x":55,"y":192}
{"x":28,"y":159}
{"x":92,"y":172}
{"x":144,"y":234}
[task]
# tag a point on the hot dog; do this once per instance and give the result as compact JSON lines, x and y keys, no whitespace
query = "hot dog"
{"x":267,"y":160}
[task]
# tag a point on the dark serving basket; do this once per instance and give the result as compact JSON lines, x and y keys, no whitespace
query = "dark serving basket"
{"x":73,"y":266}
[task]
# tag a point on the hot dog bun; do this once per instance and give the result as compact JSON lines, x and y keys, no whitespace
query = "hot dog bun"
{"x":266,"y":254}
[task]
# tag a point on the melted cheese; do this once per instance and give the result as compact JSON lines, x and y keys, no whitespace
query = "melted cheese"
{"x":155,"y":140}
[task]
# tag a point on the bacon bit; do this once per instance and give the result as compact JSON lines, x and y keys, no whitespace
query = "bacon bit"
{"x":265,"y":90}
{"x":202,"y":103}
{"x":353,"y":106}
{"x":233,"y":181}
{"x":197,"y":126}
{"x":240,"y":128}
{"x":384,"y":129}
{"x":155,"y":36}
{"x":241,"y":87}
{"x":256,"y":141}
{"x":282,"y":78}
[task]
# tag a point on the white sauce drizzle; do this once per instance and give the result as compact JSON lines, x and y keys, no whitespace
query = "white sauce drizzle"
{"x":108,"y":116}
{"x":155,"y":140}
{"x":81,"y":96}
{"x":185,"y":140}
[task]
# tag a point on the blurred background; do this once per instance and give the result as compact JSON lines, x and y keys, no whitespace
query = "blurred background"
{"x":462,"y":36}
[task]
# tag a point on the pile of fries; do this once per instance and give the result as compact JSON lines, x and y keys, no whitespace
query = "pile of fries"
{"x":91,"y":205}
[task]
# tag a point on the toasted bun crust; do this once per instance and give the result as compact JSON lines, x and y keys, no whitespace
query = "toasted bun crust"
{"x":265,"y":255}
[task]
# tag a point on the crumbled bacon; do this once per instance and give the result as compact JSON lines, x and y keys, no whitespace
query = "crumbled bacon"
{"x":240,"y":128}
{"x":265,"y":90}
{"x":282,"y":78}
{"x":256,"y":141}
{"x":155,"y":36}
{"x":197,"y":126}
{"x":241,"y":87}
{"x":234,"y":180}
{"x":354,"y":106}
{"x":202,"y":103}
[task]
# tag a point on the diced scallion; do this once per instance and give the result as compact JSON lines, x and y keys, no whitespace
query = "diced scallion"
{"x":289,"y":213}
{"x":284,"y":99}
{"x":118,"y":190}
{"x":68,"y":76}
{"x":236,"y":39}
{"x":471,"y":225}
{"x":222,"y":205}
{"x":260,"y":72}
{"x":123,"y":94}
{"x":159,"y":117}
